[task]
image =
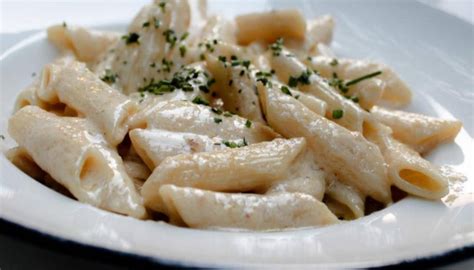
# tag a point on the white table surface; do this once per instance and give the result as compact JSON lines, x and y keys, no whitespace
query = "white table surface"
{"x":21,"y":18}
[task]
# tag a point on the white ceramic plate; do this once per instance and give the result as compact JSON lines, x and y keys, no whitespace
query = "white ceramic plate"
{"x":431,"y":51}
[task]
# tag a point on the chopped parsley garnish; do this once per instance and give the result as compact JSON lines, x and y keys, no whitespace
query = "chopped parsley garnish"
{"x":337,"y":114}
{"x":199,"y":100}
{"x":211,"y":82}
{"x":286,"y":90}
{"x":242,"y":72}
{"x":303,"y":79}
{"x":146,"y":24}
{"x":309,"y":58}
{"x":248,"y":124}
{"x":166,"y":65}
{"x":231,"y":144}
{"x":202,"y":57}
{"x":228,"y":114}
{"x":170,"y":37}
{"x":343,"y":86}
{"x":334,"y":62}
{"x":2,"y":137}
{"x":180,"y":81}
{"x":355,"y":99}
{"x":204,"y":88}
{"x":222,"y":58}
{"x":184,"y":36}
{"x":277,"y":47}
{"x":217,"y":120}
{"x":109,"y":76}
{"x":131,"y":38}
{"x":263,"y":77}
{"x":365,"y":77}
{"x":162,"y":6}
{"x":64,"y":25}
{"x":246,"y":63}
{"x":338,"y":83}
{"x":182,"y":50}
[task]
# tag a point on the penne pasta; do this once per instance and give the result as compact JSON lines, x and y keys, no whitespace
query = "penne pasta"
{"x":422,"y":133}
{"x":271,"y":25}
{"x":249,"y":168}
{"x":74,"y":85}
{"x":338,"y":151}
{"x":206,"y":209}
{"x":90,"y":170}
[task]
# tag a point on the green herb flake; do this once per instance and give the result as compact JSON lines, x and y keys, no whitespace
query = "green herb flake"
{"x":248,"y":124}
{"x":277,"y":47}
{"x":64,"y":25}
{"x":162,"y":6}
{"x":131,"y":38}
{"x":204,"y":89}
{"x":109,"y":77}
{"x":293,"y":82}
{"x":365,"y":77}
{"x":227,"y":114}
{"x":337,"y":114}
{"x":182,"y":50}
{"x":146,"y":24}
{"x":246,"y":64}
{"x":2,"y":137}
{"x":334,"y":62}
{"x":200,"y":101}
{"x":211,"y":82}
{"x":217,"y":120}
{"x":184,"y":36}
{"x":170,"y":36}
{"x":286,"y":90}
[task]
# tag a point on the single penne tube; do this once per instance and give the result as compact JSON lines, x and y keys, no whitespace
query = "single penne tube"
{"x":75,"y":155}
{"x":155,"y":145}
{"x":422,"y":133}
{"x":349,"y":198}
{"x":348,"y":155}
{"x":250,"y":168}
{"x":406,"y":168}
{"x":303,"y":177}
{"x":269,"y":26}
{"x":290,"y":69}
{"x":184,"y":116}
{"x":198,"y":208}
{"x":87,"y":45}
{"x":387,"y":87}
{"x":79,"y":88}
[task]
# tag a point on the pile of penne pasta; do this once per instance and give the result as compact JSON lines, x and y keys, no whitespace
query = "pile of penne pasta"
{"x":252,"y":123}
